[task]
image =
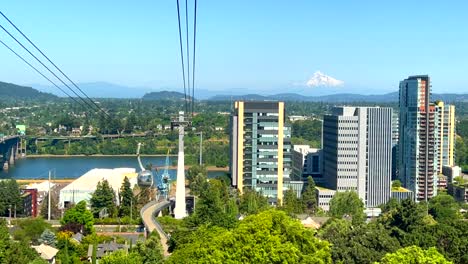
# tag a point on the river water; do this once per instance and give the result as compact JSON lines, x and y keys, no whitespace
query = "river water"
{"x":74,"y":167}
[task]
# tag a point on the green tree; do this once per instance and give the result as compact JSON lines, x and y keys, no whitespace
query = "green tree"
{"x":48,"y":238}
{"x":396,"y":184}
{"x":12,"y":251}
{"x":30,"y":229}
{"x":10,"y":197}
{"x":80,"y":215}
{"x":103,"y":198}
{"x":444,"y":208}
{"x":197,"y":177}
{"x":415,"y":255}
{"x":150,"y":251}
{"x":126,"y":198}
{"x":268,"y":237}
{"x":358,"y":244}
{"x":392,"y":204}
{"x":54,"y":209}
{"x":252,"y":202}
{"x":407,"y":216}
{"x":194,"y":170}
{"x":347,"y":204}
{"x":291,"y":204}
{"x":309,"y":197}
{"x":213,"y":206}
{"x":121,"y":257}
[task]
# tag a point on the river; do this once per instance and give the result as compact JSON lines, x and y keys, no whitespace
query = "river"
{"x":74,"y":167}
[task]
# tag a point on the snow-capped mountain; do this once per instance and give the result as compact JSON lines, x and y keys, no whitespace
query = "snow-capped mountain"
{"x":321,"y":80}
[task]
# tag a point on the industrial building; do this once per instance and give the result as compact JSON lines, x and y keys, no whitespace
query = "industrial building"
{"x":83,"y":187}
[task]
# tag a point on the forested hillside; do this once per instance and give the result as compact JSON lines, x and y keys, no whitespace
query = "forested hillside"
{"x":13,"y":91}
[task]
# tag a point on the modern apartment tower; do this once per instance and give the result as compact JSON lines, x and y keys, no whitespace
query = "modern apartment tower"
{"x":417,"y":155}
{"x":357,"y":152}
{"x":445,"y":134}
{"x":260,"y":148}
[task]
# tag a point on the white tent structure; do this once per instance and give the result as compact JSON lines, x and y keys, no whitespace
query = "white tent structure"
{"x":83,"y":187}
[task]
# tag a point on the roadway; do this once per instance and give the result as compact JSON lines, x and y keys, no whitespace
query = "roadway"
{"x":148,"y":215}
{"x":6,"y":138}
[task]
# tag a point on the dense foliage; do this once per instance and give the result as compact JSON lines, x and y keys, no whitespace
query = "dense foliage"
{"x":17,"y":252}
{"x":103,"y":200}
{"x":10,"y":197}
{"x":268,"y":237}
{"x":415,"y":255}
{"x":78,"y":215}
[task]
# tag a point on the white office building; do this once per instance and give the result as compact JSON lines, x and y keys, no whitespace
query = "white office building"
{"x":357,"y":152}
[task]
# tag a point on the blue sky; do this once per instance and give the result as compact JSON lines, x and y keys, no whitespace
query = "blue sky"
{"x":263,"y":46}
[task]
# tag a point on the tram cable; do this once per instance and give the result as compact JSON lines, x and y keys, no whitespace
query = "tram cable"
{"x":40,"y":73}
{"x":4,"y":29}
{"x":189,"y":83}
{"x":182,"y":56}
{"x":45,"y":56}
{"x":193,"y":64}
{"x":188,"y":55}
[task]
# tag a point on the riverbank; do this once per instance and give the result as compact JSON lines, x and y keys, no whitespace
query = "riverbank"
{"x":208,"y":168}
{"x":29,"y":181}
{"x":94,"y":155}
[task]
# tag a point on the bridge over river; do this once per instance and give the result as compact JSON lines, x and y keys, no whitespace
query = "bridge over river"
{"x":10,"y":148}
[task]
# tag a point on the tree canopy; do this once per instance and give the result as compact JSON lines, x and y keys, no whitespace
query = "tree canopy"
{"x":268,"y":237}
{"x":103,"y":198}
{"x":79,"y":215}
{"x":126,"y":198}
{"x":347,"y":204}
{"x":415,"y":255}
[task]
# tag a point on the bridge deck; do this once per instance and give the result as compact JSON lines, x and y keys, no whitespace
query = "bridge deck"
{"x":148,"y":213}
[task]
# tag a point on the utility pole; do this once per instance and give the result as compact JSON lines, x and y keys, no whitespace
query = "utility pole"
{"x":131,"y":208}
{"x":9,"y":209}
{"x":201,"y":148}
{"x":49,"y":200}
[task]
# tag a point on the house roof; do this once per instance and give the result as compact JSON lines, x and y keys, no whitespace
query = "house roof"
{"x":313,"y":221}
{"x":104,"y":249}
{"x":46,"y":252}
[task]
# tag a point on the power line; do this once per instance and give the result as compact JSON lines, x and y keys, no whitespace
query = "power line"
{"x":193,"y":64}
{"x":182,"y":56}
{"x":34,"y":68}
{"x":188,"y":53}
{"x":40,"y":51}
{"x":86,"y":102}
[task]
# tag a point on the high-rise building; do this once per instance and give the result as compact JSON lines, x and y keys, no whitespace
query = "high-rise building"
{"x":357,"y":152}
{"x":260,"y":148}
{"x":417,"y":155}
{"x":395,"y":136}
{"x":306,"y":161}
{"x":445,"y":134}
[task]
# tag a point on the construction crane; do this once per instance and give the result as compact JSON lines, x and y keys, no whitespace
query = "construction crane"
{"x":163,"y":180}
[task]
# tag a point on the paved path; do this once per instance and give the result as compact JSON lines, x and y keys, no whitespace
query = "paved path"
{"x":148,"y":213}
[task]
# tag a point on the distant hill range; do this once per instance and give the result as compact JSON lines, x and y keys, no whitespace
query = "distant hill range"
{"x":108,"y":90}
{"x":165,"y":96}
{"x":18,"y":92}
{"x":338,"y":98}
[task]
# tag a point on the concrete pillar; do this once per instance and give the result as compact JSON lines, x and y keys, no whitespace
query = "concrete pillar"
{"x":5,"y":166}
{"x":11,"y":158}
{"x":15,"y":150}
{"x":180,"y":210}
